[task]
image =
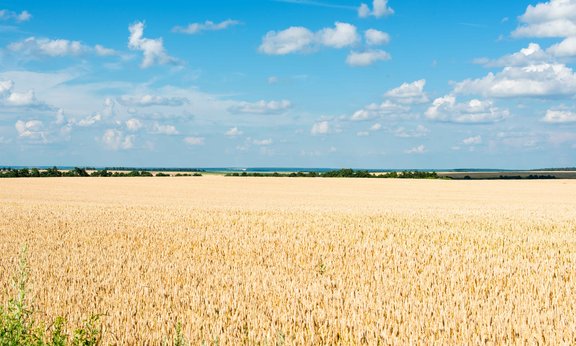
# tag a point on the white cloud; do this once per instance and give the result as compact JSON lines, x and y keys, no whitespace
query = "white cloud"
{"x":194,"y":140}
{"x":262,"y":142}
{"x":39,"y":132}
{"x":375,"y":37}
{"x":566,"y":48}
{"x":90,"y":120}
{"x":472,"y":140}
{"x":9,"y":97}
{"x":320,"y":128}
{"x":380,"y":9}
{"x":376,"y":127}
{"x":474,"y":111}
{"x":37,"y":47}
{"x":559,"y":117}
{"x":261,"y":107}
{"x":116,"y":140}
{"x":103,"y":51}
{"x":421,"y":149}
{"x":555,"y":18}
{"x":292,"y":40}
{"x":22,"y":99}
{"x":342,"y":35}
{"x":31,"y":128}
{"x":300,"y":39}
{"x":533,"y":54}
{"x":45,"y":46}
{"x":195,"y":28}
{"x":163,"y":129}
{"x":409,"y":93}
{"x":23,"y":16}
{"x":151,"y":100}
{"x":233,"y":132}
{"x":419,"y":131}
{"x":152,"y":49}
{"x":35,"y":131}
{"x":6,"y":87}
{"x":386,"y":108}
{"x":366,"y":58}
{"x":542,"y":80}
{"x":133,"y":124}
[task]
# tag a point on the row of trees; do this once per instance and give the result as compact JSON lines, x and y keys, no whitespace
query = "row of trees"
{"x":343,"y":173}
{"x":78,"y":172}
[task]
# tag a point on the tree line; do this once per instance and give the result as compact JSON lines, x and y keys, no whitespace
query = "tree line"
{"x":342,"y":173}
{"x":80,"y":172}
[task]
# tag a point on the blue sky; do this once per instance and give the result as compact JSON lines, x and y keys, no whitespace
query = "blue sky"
{"x":293,"y":83}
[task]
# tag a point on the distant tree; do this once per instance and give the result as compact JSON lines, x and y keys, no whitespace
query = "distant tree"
{"x":80,"y":172}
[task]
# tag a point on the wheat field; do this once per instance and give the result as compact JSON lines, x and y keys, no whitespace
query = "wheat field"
{"x":298,"y":261}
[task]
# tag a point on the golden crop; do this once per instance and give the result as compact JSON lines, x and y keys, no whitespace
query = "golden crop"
{"x":299,"y":261}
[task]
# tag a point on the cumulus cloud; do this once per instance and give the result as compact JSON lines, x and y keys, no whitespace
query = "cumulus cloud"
{"x":36,"y":131}
{"x":541,"y":80}
{"x":421,"y":149}
{"x":30,"y":129}
{"x":261,"y":107}
{"x":38,"y":47}
{"x":27,"y":99}
{"x":23,"y":16}
{"x":409,"y":93}
{"x":151,"y":100}
{"x":103,"y":51}
{"x":419,"y":131}
{"x":90,"y":120}
{"x":566,"y":48}
{"x":559,"y":117}
{"x":133,"y":124}
{"x":472,"y":140}
{"x":384,"y":109}
{"x":447,"y":109}
{"x":375,"y":37}
{"x":152,"y":49}
{"x":555,"y":18}
{"x":375,"y":127}
{"x":233,"y":132}
{"x":533,"y":54}
{"x":195,"y":28}
{"x":292,"y":40}
{"x":194,"y":140}
{"x":367,"y":57}
{"x":321,"y":128}
{"x":262,"y":142}
{"x":379,"y":9}
{"x":300,"y":39}
{"x":162,"y":129}
{"x":342,"y":35}
{"x":116,"y":140}
{"x":6,"y":87}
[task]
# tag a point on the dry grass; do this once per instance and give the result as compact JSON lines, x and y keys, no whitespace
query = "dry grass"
{"x":299,"y":261}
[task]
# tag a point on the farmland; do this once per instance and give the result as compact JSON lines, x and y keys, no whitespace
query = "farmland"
{"x":239,"y":260}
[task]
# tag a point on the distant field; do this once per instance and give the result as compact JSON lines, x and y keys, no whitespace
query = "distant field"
{"x":495,"y":175}
{"x":299,"y":261}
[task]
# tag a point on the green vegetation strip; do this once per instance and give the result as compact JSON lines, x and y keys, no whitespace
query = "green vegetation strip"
{"x":82,"y":172}
{"x":343,"y":173}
